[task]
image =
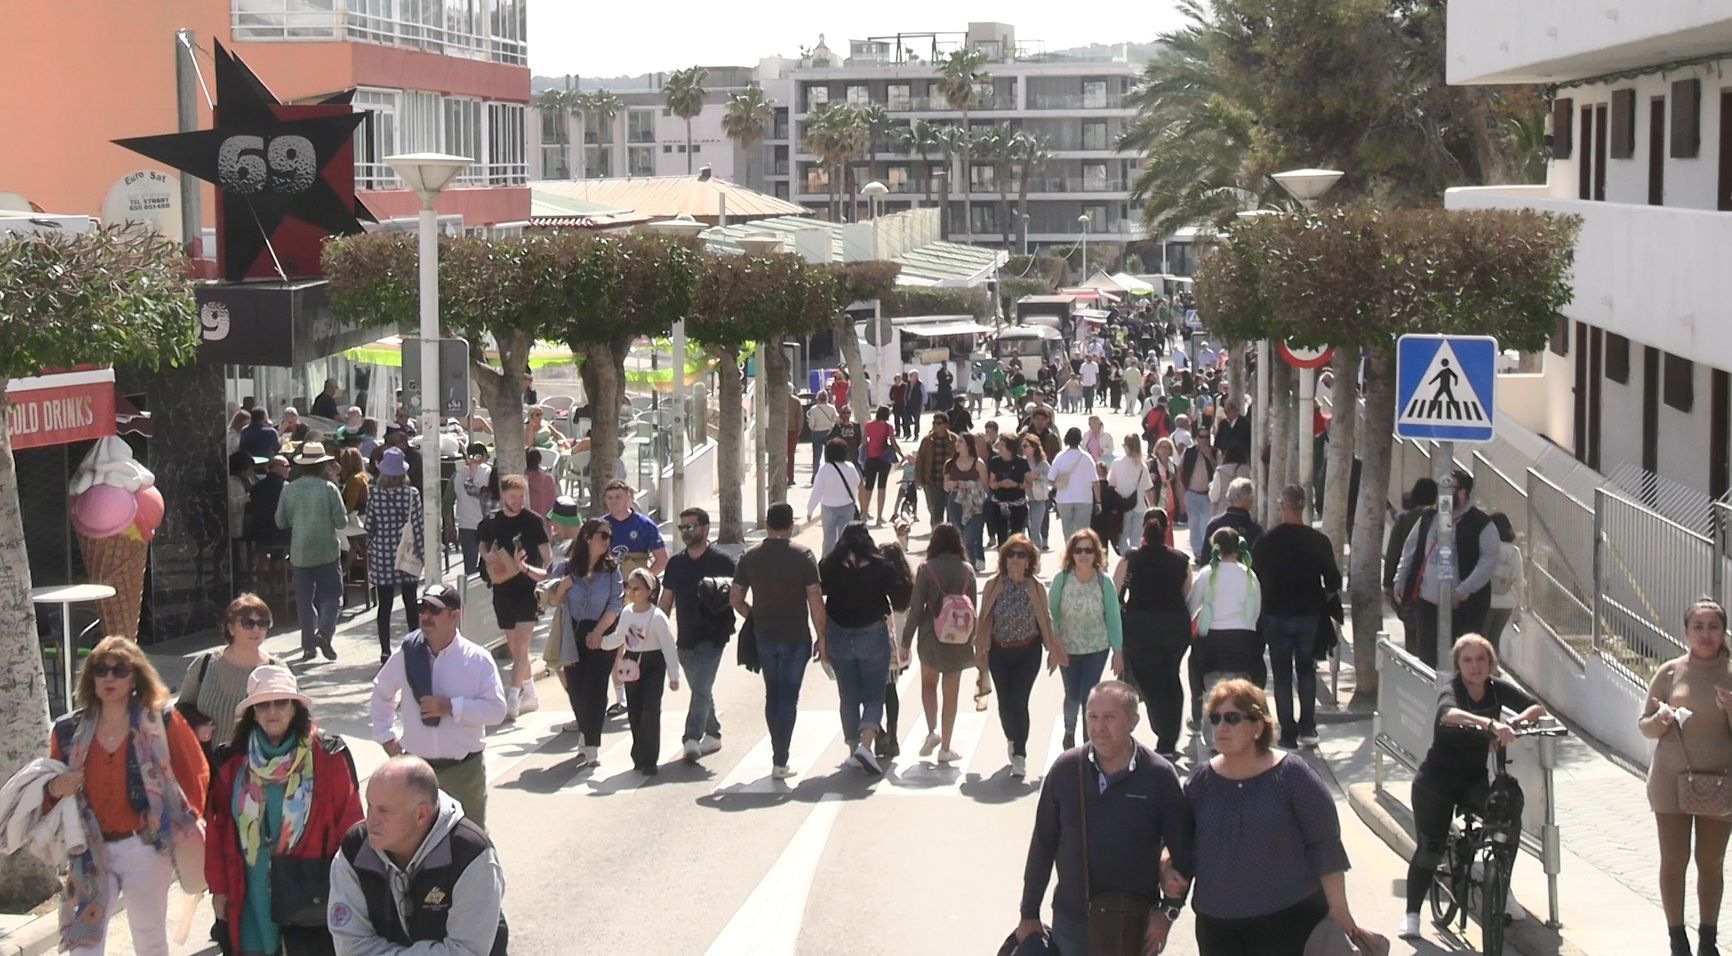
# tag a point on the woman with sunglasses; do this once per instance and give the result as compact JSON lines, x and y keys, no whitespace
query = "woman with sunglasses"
{"x":1085,"y":613}
{"x":1254,"y":802}
{"x":589,"y":597}
{"x":217,"y":679}
{"x":280,"y":789}
{"x":1012,"y":626}
{"x":1155,"y":580}
{"x":139,"y":777}
{"x":645,"y":658}
{"x":1039,"y":490}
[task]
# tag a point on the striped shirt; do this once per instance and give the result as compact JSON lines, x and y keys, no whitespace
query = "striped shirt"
{"x":214,"y":685}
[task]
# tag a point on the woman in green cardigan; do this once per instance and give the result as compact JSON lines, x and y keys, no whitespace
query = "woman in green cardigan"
{"x":1085,"y":612}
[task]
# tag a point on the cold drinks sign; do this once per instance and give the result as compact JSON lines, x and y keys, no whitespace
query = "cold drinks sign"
{"x":60,"y":408}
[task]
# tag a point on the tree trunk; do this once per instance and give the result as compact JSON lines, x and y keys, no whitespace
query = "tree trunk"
{"x":1236,"y":372}
{"x":502,"y":392}
{"x":688,"y":146}
{"x":730,"y":429}
{"x":1004,"y":211}
{"x":775,"y":384}
{"x":848,"y":345}
{"x":24,"y":882}
{"x":1343,"y":428}
{"x":1366,"y":592}
{"x":944,"y":208}
{"x":1280,"y":412}
{"x":603,"y":382}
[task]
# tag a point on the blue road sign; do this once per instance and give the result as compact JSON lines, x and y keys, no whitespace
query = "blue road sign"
{"x":1445,"y":387}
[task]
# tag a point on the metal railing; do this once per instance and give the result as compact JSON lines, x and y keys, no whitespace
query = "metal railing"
{"x":1647,"y":569}
{"x":1560,"y":567}
{"x":1075,"y":101}
{"x":281,"y":20}
{"x":1077,"y":184}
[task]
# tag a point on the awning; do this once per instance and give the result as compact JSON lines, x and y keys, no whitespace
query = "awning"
{"x":60,"y":408}
{"x":1081,"y":293}
{"x":937,"y":329}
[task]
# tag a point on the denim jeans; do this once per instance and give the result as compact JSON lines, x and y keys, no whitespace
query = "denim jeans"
{"x":860,"y":656}
{"x":1080,"y":676}
{"x":1292,"y":643}
{"x":937,"y":503}
{"x":1074,"y":517}
{"x":817,"y":453}
{"x":1131,"y":537}
{"x":700,"y":662}
{"x":972,"y":530}
{"x":784,"y":667}
{"x":469,"y":541}
{"x":1197,"y":520}
{"x":1037,"y":523}
{"x":835,"y":519}
{"x":320,"y":587}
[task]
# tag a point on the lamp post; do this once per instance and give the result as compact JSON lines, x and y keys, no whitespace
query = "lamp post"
{"x":874,"y":192}
{"x":428,"y":174}
{"x":1083,"y":273}
{"x":1022,"y":223}
{"x":681,"y":225}
{"x":1307,"y":186}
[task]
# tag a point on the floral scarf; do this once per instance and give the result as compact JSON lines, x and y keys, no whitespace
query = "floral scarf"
{"x":292,"y":770}
{"x":164,"y":820}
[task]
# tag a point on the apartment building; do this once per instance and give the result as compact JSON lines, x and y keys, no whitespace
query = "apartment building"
{"x":1639,"y":371}
{"x":438,"y":75}
{"x":1076,"y":104}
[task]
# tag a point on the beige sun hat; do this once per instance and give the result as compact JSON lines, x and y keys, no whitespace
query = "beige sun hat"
{"x":270,"y":682}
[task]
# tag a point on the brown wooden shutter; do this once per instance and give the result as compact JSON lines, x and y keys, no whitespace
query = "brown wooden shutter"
{"x":1564,"y":128}
{"x":1686,"y":119}
{"x":1623,"y":144}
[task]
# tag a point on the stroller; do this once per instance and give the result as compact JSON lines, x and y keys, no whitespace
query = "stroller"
{"x":907,"y":494}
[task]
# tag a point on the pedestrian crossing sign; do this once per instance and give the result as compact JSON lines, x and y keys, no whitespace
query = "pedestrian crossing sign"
{"x":1445,"y":387}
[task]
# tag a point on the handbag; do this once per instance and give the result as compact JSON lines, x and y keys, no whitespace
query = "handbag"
{"x":1702,"y":793}
{"x":407,"y":561}
{"x":626,"y":668}
{"x":300,"y":887}
{"x":1117,"y":922}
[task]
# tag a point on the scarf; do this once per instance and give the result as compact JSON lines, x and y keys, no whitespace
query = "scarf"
{"x":293,"y":770}
{"x":164,"y":819}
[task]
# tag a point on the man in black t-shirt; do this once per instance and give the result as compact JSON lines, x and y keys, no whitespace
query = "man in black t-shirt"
{"x":847,"y":429}
{"x":702,"y":637}
{"x":514,"y":541}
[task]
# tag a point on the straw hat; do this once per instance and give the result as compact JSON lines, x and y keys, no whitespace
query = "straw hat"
{"x":270,"y":682}
{"x":312,"y":453}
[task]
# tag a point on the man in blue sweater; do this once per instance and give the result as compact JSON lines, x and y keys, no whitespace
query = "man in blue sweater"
{"x":1131,"y":799}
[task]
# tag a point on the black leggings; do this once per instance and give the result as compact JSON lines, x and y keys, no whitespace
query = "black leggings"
{"x":1436,"y":795}
{"x":892,"y":708}
{"x":387,"y":593}
{"x":1281,"y":933}
{"x":1004,"y":522}
{"x":643,"y":709}
{"x":1155,"y":643}
{"x":1014,"y":671}
{"x":586,"y":685}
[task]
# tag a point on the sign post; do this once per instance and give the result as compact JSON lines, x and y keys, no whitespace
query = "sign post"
{"x":1445,"y":391}
{"x":1306,"y":360}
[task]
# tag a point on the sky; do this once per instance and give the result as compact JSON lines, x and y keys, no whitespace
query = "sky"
{"x":592,"y":38}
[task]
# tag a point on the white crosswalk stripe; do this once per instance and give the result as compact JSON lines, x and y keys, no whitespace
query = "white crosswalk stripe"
{"x":614,"y":773}
{"x":912,"y":775}
{"x":814,"y":732}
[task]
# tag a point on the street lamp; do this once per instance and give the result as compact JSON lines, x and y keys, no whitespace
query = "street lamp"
{"x":1022,"y":221}
{"x":680,"y":225}
{"x":428,"y":174}
{"x":1084,"y":272}
{"x":874,"y":191}
{"x":1307,"y":186}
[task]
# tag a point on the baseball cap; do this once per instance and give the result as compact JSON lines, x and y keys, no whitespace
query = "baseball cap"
{"x":442,"y":596}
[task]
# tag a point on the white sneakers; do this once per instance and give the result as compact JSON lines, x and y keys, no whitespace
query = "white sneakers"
{"x":513,"y":700}
{"x":527,"y":699}
{"x":929,"y":746}
{"x":1309,"y":741}
{"x":780,"y":773}
{"x":570,"y":728}
{"x":709,"y":745}
{"x":948,"y":756}
{"x":691,"y":751}
{"x":1409,"y":927}
{"x":867,"y":760}
{"x":587,"y":756}
{"x":1018,"y":766}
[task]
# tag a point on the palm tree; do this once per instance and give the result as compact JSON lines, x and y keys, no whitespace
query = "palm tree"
{"x":685,"y":97}
{"x":835,"y":134}
{"x":952,"y":141}
{"x":998,"y":146}
{"x":879,"y":127}
{"x":559,"y":103}
{"x":959,"y":80}
{"x":922,"y":141}
{"x":748,"y":118}
{"x":1030,"y":151}
{"x":602,"y":105}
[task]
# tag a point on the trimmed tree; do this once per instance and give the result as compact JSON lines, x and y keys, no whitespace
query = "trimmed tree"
{"x":859,"y":282}
{"x":104,"y":298}
{"x":1357,"y":278}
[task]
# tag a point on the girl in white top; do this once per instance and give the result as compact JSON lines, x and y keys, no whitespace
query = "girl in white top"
{"x":646,"y":653}
{"x":1225,"y":603}
{"x":1509,"y":583}
{"x":837,"y":489}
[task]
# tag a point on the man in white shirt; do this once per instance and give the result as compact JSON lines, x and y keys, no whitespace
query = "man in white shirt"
{"x":1206,"y":356}
{"x":1090,"y":374}
{"x":1182,"y":433}
{"x":1133,"y":387}
{"x":1073,"y":477}
{"x":447,"y":692}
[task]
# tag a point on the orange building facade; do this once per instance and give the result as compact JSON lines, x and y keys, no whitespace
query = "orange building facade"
{"x":438,"y":75}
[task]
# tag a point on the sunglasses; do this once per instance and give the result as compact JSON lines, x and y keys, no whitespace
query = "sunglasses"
{"x":1082,"y":551}
{"x":689,"y":527}
{"x":1017,"y":556}
{"x":1231,"y":718}
{"x":431,"y":608}
{"x":117,"y":669}
{"x":281,"y":703}
{"x":253,"y":621}
{"x":603,"y":535}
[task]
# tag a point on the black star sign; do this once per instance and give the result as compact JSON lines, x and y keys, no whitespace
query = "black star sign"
{"x":269,"y":165}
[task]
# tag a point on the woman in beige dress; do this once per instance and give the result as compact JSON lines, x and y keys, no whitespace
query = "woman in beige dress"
{"x":1696,"y":685}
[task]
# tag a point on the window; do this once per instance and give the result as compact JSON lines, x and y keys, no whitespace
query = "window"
{"x":896,"y":177}
{"x":982,"y":176}
{"x":463,"y":137}
{"x":419,"y":131}
{"x":1623,"y":144}
{"x":465,"y":27}
{"x":640,"y":126}
{"x":506,"y":164}
{"x":640,"y":160}
{"x":375,"y":139}
{"x":1094,"y":177}
{"x":817,"y":179}
{"x":1617,"y":358}
{"x":509,"y":29}
{"x":1094,"y":135}
{"x":1563,"y":127}
{"x":598,"y":161}
{"x":667,"y":147}
{"x":1560,"y":338}
{"x":1097,"y":216}
{"x":816,"y":97}
{"x":859,"y":96}
{"x":1686,"y":118}
{"x":1094,"y":94}
{"x":284,"y":19}
{"x":899,"y":96}
{"x":1678,"y":384}
{"x":983,"y":219}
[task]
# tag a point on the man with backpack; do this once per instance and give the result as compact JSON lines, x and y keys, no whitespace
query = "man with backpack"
{"x":704,"y":620}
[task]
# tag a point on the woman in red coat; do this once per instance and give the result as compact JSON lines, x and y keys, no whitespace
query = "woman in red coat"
{"x":280,"y":789}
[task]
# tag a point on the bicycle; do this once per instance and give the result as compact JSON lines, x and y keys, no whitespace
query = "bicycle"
{"x":1478,"y":857}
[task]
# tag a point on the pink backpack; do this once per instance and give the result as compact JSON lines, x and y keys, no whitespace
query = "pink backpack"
{"x":955,"y":619}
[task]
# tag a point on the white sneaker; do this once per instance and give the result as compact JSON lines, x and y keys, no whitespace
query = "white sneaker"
{"x":709,"y":744}
{"x":1018,"y":766}
{"x":527,"y":699}
{"x":867,"y":760}
{"x":931,"y":744}
{"x":513,"y":700}
{"x":1409,"y":927}
{"x":691,"y":751}
{"x":584,"y":757}
{"x":1309,"y":741}
{"x":948,"y":756}
{"x":780,"y":773}
{"x":570,"y":728}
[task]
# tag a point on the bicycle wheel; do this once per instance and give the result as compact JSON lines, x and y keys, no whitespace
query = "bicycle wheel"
{"x":1494,"y":883}
{"x":1446,"y":889}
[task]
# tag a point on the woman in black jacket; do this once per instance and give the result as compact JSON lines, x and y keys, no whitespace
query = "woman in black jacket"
{"x":1153,"y":581}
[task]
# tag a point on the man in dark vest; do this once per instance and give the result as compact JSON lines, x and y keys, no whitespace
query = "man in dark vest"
{"x":1477,"y":547}
{"x":415,"y":871}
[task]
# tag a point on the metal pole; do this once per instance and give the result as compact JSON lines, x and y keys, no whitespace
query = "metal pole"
{"x":186,"y":114}
{"x":1550,"y":840}
{"x":1261,"y":423}
{"x":1307,"y":412}
{"x":1599,"y":574}
{"x":760,"y":456}
{"x":677,"y":490}
{"x":1445,"y":547}
{"x":428,"y":233}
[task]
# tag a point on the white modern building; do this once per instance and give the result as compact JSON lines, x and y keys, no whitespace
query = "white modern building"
{"x":1639,"y":372}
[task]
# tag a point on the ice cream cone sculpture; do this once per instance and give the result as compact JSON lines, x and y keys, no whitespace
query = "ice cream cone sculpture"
{"x":115,"y":510}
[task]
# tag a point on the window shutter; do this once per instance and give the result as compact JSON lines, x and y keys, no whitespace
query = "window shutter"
{"x":1686,"y":119}
{"x":1564,"y":127}
{"x":1623,"y":144}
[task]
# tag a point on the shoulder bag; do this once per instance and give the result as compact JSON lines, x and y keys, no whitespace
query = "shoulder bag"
{"x":300,"y":888}
{"x":1702,"y":793}
{"x":406,"y":560}
{"x":1117,"y":922}
{"x":848,"y":487}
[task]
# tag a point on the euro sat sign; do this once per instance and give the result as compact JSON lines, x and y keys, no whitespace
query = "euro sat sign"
{"x":1445,"y":387}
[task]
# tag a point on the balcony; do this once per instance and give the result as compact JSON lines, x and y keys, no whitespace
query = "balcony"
{"x":305,"y":20}
{"x":1652,"y":274}
{"x":1547,"y":41}
{"x":1076,"y":101}
{"x":1077,"y":184}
